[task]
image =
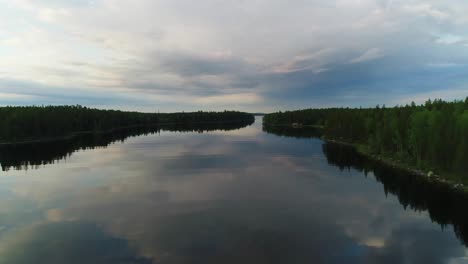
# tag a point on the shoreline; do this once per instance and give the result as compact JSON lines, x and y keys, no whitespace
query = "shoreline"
{"x":429,"y":176}
{"x":78,"y":133}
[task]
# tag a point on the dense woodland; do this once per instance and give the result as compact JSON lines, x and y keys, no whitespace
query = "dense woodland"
{"x":431,"y":136}
{"x":27,"y":123}
{"x":35,"y":154}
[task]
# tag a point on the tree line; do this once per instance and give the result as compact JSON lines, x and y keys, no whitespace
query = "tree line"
{"x":35,"y":154}
{"x":432,"y":136}
{"x":36,"y":122}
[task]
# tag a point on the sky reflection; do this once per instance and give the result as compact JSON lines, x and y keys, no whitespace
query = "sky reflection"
{"x":224,"y":197}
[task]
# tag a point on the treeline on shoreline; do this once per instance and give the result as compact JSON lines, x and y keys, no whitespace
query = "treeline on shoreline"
{"x":432,"y":136}
{"x":41,"y":122}
{"x":36,"y":154}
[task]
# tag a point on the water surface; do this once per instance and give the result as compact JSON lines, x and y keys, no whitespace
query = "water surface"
{"x":237,"y":196}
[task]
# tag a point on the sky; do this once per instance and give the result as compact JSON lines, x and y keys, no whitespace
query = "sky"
{"x":249,"y":55}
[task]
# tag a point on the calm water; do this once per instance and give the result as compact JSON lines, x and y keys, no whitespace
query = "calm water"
{"x":238,"y":196}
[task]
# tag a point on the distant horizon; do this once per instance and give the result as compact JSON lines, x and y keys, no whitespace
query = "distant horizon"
{"x":250,"y":112}
{"x":252,"y":56}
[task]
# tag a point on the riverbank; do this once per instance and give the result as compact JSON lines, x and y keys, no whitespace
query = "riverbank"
{"x":65,"y":137}
{"x":26,"y":124}
{"x":386,"y":160}
{"x":79,"y":133}
{"x":429,"y":176}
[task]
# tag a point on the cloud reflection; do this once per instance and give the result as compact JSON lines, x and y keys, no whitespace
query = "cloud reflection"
{"x":215,"y":198}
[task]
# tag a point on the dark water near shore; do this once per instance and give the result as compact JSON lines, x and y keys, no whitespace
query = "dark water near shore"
{"x":222,"y":196}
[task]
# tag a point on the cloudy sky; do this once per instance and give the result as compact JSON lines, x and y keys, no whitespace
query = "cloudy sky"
{"x":253,"y":55}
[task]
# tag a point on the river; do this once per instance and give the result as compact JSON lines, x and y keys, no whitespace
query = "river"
{"x":239,"y":195}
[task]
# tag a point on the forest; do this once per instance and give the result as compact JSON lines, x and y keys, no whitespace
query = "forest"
{"x":431,"y":136}
{"x":42,"y":122}
{"x":35,"y":154}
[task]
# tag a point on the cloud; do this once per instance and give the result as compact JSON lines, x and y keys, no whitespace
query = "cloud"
{"x":14,"y":96}
{"x":450,"y":93}
{"x":315,"y":62}
{"x":182,"y":50}
{"x":369,"y":55}
{"x":230,"y":99}
{"x":193,"y":65}
{"x":426,"y":10}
